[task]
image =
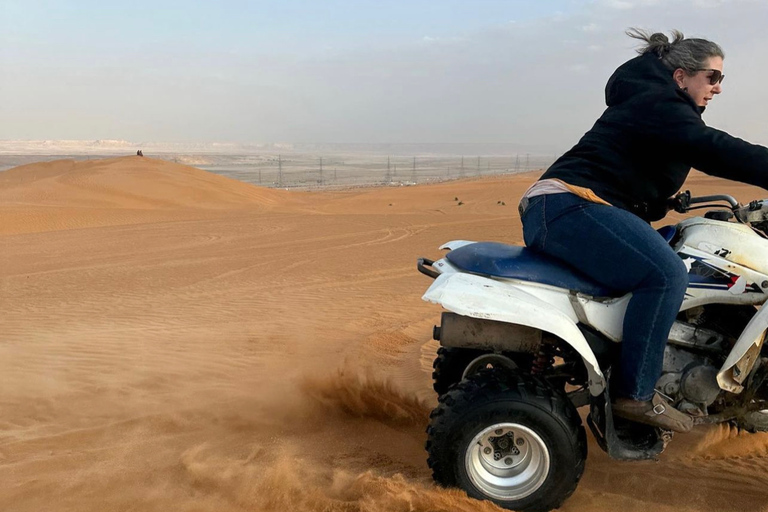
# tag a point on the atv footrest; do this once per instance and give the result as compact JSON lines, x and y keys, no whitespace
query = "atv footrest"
{"x":619,"y":438}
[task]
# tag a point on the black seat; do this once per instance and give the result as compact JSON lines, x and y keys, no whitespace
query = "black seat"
{"x":515,"y":262}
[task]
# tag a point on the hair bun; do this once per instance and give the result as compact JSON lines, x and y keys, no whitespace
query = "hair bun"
{"x":658,"y":38}
{"x":660,"y":43}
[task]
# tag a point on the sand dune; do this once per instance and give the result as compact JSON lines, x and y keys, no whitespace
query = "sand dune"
{"x":65,"y":194}
{"x":174,"y":340}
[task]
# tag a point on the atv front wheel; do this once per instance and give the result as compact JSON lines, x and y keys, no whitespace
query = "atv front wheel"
{"x":755,"y":421}
{"x":508,"y":438}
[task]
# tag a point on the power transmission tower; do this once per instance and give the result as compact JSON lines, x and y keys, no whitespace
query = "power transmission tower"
{"x":279,"y":171}
{"x":321,"y":171}
{"x":413,"y":179}
{"x":388,"y":177}
{"x":517,"y":163}
{"x":527,"y":167}
{"x":461,"y":170}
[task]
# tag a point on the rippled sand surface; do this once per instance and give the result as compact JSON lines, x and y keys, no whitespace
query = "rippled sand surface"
{"x":174,"y":340}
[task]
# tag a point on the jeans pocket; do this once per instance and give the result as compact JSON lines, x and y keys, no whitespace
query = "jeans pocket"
{"x":564,"y":204}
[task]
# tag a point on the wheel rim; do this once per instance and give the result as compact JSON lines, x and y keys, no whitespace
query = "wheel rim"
{"x":507,"y":461}
{"x":483,"y":361}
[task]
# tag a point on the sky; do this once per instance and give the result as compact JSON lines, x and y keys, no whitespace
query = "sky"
{"x":528,"y":72}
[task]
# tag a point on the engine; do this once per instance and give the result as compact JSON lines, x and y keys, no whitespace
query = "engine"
{"x":689,"y":375}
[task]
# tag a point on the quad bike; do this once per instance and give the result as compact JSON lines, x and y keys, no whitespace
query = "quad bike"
{"x":526,"y":340}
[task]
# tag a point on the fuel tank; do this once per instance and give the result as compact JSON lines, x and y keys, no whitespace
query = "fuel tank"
{"x":727,"y":262}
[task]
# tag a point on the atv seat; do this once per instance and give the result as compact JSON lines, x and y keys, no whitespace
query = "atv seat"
{"x":515,"y":262}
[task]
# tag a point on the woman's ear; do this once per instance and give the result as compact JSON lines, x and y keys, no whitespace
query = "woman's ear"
{"x":679,"y":76}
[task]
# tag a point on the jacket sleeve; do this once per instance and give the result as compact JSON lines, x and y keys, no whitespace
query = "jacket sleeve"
{"x":687,"y":139}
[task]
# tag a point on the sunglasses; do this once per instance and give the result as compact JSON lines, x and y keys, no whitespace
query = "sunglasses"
{"x":716,"y":77}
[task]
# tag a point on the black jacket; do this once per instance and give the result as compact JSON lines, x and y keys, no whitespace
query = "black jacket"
{"x":641,"y":149}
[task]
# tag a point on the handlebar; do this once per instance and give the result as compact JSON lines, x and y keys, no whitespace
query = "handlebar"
{"x":753,"y":214}
{"x":682,"y":202}
{"x":717,"y":197}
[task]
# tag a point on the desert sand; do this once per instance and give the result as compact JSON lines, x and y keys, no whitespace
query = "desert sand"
{"x":171,"y":339}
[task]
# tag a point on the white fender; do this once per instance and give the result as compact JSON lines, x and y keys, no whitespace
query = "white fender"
{"x":455,"y":244}
{"x":443,"y":266}
{"x":744,"y":353}
{"x":480,"y":297}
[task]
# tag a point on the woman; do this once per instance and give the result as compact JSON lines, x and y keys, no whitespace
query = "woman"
{"x":593,"y":206}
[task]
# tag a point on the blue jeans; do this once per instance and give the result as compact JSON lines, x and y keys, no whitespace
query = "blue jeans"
{"x":620,"y":251}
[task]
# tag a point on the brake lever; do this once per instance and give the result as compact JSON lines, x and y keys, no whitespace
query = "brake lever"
{"x":681,"y":202}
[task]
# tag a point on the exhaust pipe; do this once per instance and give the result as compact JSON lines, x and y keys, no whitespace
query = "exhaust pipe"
{"x":465,"y":332}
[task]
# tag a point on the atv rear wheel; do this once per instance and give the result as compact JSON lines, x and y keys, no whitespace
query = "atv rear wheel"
{"x":509,"y":438}
{"x":454,"y":364}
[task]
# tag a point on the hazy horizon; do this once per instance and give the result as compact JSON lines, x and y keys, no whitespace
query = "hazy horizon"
{"x":526,"y":73}
{"x":122,"y":147}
